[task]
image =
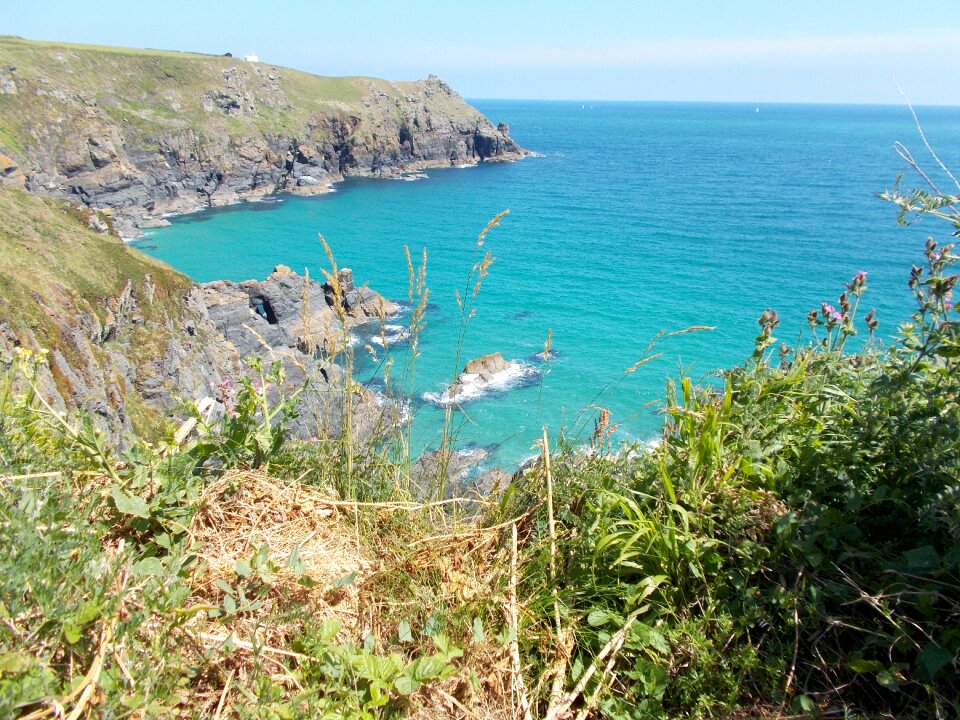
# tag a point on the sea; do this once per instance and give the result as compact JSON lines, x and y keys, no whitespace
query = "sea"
{"x":629,"y":222}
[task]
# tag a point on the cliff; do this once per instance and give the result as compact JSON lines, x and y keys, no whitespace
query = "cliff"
{"x":129,"y":338}
{"x":144,"y":133}
{"x":127,"y":335}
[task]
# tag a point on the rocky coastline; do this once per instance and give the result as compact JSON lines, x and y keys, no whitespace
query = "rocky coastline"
{"x":153,"y":137}
{"x":129,"y":138}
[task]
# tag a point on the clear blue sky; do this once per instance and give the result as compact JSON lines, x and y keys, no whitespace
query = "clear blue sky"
{"x":745,"y":50}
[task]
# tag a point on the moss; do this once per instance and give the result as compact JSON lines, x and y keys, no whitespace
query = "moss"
{"x":148,"y":424}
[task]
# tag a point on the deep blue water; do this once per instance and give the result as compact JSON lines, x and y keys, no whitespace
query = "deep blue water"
{"x":633,"y":218}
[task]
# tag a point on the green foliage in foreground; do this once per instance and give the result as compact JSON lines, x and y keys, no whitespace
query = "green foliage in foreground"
{"x":792,"y":547}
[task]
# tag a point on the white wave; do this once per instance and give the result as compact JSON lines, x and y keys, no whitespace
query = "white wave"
{"x":470,"y":386}
{"x":391,"y":335}
{"x":535,"y":154}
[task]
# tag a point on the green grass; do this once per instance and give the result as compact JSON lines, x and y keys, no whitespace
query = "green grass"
{"x":790,"y":549}
{"x":138,"y":87}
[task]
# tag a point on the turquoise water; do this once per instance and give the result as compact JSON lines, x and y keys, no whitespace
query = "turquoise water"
{"x":634,"y":218}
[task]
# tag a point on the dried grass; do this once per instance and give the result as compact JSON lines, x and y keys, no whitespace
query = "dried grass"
{"x":245,"y":509}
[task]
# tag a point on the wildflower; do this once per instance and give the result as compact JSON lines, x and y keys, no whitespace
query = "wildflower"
{"x":858,"y":284}
{"x":845,"y":303}
{"x":768,"y":320}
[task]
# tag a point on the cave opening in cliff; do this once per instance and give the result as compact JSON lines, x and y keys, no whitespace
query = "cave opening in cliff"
{"x":263,"y":308}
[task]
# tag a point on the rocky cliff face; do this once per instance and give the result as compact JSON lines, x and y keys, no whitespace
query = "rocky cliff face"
{"x":129,"y":339}
{"x":147,"y":133}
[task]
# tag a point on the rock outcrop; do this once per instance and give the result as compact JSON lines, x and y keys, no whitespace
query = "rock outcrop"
{"x":483,"y":375}
{"x":148,"y":134}
{"x":305,"y":325}
{"x":287,"y":311}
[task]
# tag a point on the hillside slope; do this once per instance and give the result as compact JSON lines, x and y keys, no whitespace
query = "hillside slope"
{"x":127,"y":335}
{"x":129,"y":338}
{"x":145,"y":132}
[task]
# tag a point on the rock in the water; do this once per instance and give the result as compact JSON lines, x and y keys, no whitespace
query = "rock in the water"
{"x":454,"y":469}
{"x":482,"y":375}
{"x":486,"y":366}
{"x":493,"y":482}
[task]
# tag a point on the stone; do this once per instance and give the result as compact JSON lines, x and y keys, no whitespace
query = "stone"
{"x":486,"y":366}
{"x":492,"y":482}
{"x":425,"y":472}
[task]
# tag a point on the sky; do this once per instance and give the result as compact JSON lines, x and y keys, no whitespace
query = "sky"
{"x":836,"y":51}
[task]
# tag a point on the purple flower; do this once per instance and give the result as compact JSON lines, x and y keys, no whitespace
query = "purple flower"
{"x":837,"y":316}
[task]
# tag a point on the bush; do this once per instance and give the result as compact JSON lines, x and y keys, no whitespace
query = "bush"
{"x":793,"y":542}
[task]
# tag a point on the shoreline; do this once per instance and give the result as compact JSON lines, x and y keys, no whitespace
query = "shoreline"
{"x":180,"y":206}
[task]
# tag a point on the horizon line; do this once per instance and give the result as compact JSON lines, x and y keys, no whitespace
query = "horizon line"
{"x":757,"y":103}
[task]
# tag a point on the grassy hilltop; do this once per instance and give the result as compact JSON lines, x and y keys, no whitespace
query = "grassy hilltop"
{"x":144,"y":132}
{"x":155,"y":89}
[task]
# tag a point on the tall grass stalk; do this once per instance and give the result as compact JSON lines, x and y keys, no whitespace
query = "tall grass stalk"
{"x":466,"y":304}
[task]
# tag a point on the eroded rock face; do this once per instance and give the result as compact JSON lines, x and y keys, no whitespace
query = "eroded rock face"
{"x":294,"y":319}
{"x":103,"y":366}
{"x":249,"y":132}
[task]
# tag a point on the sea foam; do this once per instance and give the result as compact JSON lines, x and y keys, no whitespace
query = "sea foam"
{"x":470,"y":386}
